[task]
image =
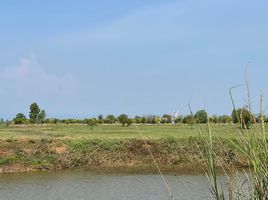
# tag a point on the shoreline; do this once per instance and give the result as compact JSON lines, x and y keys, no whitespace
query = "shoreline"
{"x":113,"y":170}
{"x":126,"y":156}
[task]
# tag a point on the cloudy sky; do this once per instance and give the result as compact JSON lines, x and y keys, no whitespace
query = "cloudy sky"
{"x":83,"y":58}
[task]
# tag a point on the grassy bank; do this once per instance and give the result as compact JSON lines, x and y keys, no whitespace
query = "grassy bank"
{"x":110,"y":148}
{"x":125,"y":155}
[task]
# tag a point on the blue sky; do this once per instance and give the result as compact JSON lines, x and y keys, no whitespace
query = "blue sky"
{"x":83,"y":58}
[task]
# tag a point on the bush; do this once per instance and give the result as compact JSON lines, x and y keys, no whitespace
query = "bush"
{"x":201,"y":117}
{"x":20,"y":119}
{"x":123,"y":119}
{"x":242,"y":116}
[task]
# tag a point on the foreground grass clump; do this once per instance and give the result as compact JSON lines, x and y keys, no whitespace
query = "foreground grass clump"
{"x":109,"y":155}
{"x":253,"y":146}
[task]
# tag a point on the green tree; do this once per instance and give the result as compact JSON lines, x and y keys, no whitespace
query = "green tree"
{"x":178,"y":119}
{"x":259,"y":118}
{"x":20,"y":119}
{"x":242,"y":116}
{"x":123,"y":119}
{"x":225,"y":119}
{"x":137,"y":119}
{"x":55,"y":121}
{"x":166,"y":118}
{"x":34,"y":112}
{"x":41,"y":116}
{"x":189,"y":119}
{"x":129,"y":122}
{"x":92,"y":122}
{"x":100,"y":119}
{"x":154,"y":120}
{"x":214,"y":119}
{"x":201,"y":117}
{"x":143,"y":120}
{"x":110,"y":119}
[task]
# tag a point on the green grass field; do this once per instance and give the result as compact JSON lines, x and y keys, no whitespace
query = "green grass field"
{"x":63,"y":131}
{"x":111,"y":148}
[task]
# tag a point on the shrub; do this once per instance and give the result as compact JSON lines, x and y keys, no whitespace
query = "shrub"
{"x":20,"y":119}
{"x":201,"y":117}
{"x":242,"y":116}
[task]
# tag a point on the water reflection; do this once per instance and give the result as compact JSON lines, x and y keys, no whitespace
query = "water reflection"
{"x":88,"y":186}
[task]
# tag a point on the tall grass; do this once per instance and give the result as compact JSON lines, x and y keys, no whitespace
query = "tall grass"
{"x":251,"y":184}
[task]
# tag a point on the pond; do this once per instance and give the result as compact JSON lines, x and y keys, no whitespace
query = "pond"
{"x":88,"y":186}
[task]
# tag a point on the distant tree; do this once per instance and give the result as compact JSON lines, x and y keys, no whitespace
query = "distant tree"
{"x":178,"y":119}
{"x":34,"y":112}
{"x":189,"y":119}
{"x":225,"y":119}
{"x":214,"y":119}
{"x":158,"y":120}
{"x":71,"y":121}
{"x":201,"y":117}
{"x":51,"y":120}
{"x":143,"y":120}
{"x":110,"y":119}
{"x":100,"y":119}
{"x":129,"y":122}
{"x":150,"y":119}
{"x":137,"y":119}
{"x":20,"y":119}
{"x":92,"y":122}
{"x":154,"y":120}
{"x":166,"y":118}
{"x":55,"y":121}
{"x":266,"y":119}
{"x":123,"y":119}
{"x":242,"y":116}
{"x":259,"y":118}
{"x":42,"y":116}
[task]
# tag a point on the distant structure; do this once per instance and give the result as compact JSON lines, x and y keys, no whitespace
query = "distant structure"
{"x":175,"y":115}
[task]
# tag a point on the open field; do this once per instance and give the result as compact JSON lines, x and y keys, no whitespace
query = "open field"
{"x":63,"y":131}
{"x":111,"y":148}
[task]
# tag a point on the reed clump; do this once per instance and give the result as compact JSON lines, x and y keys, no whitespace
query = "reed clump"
{"x":248,"y":184}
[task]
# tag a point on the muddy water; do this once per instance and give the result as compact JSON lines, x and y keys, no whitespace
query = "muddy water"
{"x":88,"y":186}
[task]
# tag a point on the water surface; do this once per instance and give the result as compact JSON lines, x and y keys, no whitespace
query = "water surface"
{"x":88,"y":186}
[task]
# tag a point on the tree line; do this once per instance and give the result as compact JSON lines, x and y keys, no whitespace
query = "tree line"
{"x":241,"y":115}
{"x":36,"y":116}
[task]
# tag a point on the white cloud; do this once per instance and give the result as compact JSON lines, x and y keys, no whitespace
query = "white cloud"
{"x":29,"y":78}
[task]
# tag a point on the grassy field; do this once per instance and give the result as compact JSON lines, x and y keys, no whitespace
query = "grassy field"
{"x":63,"y":131}
{"x":109,"y":147}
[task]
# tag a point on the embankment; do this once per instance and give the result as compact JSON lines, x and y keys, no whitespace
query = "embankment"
{"x":118,"y":156}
